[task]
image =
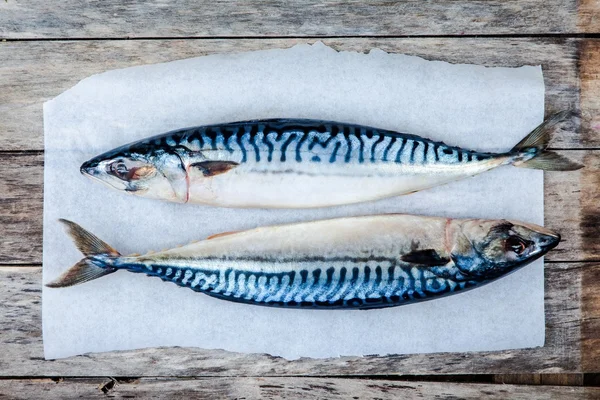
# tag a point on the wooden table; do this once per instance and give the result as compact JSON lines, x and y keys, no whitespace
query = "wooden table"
{"x":47,"y":48}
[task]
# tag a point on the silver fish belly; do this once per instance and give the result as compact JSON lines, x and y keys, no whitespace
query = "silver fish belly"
{"x":359,"y":262}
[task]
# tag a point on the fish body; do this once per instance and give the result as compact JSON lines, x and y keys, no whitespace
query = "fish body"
{"x":358,"y":262}
{"x":305,"y":163}
{"x":298,"y":163}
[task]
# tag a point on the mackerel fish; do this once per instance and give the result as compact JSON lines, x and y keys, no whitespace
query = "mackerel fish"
{"x":346,"y":263}
{"x":298,"y":163}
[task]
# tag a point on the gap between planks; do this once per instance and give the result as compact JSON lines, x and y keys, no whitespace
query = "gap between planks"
{"x":567,"y":379}
{"x":272,"y":387}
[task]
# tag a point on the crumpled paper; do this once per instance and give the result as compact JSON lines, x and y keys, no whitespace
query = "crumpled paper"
{"x":472,"y":106}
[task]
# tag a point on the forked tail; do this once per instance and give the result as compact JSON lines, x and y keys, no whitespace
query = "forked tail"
{"x":531,"y":151}
{"x":98,"y":256}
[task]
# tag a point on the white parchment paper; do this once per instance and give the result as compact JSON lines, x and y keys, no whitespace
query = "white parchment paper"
{"x":471,"y":106}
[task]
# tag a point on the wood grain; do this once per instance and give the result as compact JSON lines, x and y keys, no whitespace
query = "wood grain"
{"x":268,"y":388}
{"x":187,"y":18}
{"x":21,"y":207}
{"x":33,"y":72}
{"x":590,"y":319}
{"x":590,"y":210}
{"x":22,"y":354}
{"x":588,"y":15}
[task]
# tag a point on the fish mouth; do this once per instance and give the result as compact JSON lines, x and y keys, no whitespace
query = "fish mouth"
{"x":89,"y":168}
{"x":549,"y":241}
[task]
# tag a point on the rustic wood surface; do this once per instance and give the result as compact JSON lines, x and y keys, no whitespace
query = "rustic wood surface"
{"x":33,"y":72}
{"x":22,"y":355}
{"x":35,"y":67}
{"x":115,"y":19}
{"x":590,"y":210}
{"x":269,"y":388}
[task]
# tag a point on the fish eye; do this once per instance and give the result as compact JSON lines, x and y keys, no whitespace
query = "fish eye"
{"x":515,"y":244}
{"x":118,"y":169}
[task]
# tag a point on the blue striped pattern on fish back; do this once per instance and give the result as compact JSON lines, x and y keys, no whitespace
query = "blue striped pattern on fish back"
{"x":322,"y":284}
{"x":300,"y":140}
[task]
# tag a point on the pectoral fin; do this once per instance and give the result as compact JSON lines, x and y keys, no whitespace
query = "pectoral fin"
{"x":427,"y":257}
{"x":212,"y":168}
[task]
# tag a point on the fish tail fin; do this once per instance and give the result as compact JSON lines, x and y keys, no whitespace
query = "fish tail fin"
{"x":96,"y":262}
{"x":531,"y":151}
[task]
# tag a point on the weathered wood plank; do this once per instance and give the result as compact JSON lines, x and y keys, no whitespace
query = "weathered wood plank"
{"x":590,"y":320}
{"x":21,"y":207}
{"x":21,"y":212}
{"x":589,"y":75}
{"x":33,"y":72}
{"x":113,"y":19}
{"x":590,"y":210}
{"x":566,"y":195}
{"x":267,"y":388}
{"x":588,"y":14}
{"x":21,"y":344}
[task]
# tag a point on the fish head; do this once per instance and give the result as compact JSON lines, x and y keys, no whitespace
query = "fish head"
{"x":141,"y":170}
{"x":487,"y":249}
